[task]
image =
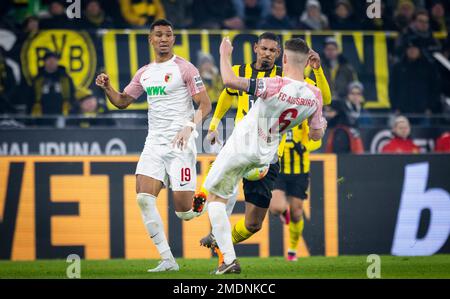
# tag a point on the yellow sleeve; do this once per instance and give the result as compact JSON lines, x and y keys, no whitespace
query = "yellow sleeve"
{"x":281,"y":146}
{"x":312,"y":145}
{"x":223,"y":105}
{"x":322,"y":84}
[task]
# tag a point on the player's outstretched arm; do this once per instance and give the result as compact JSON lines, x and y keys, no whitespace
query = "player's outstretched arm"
{"x":230,"y":80}
{"x":119,"y":99}
{"x":321,"y":80}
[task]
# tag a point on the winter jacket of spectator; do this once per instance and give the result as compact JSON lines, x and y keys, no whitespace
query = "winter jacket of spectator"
{"x":211,"y":14}
{"x":58,"y":22}
{"x":99,"y":22}
{"x":414,"y":86}
{"x":425,"y":41}
{"x":274,"y":24}
{"x":400,"y":146}
{"x":339,"y":80}
{"x":7,"y":85}
{"x":53,"y":93}
{"x":349,"y":23}
{"x":443,"y":143}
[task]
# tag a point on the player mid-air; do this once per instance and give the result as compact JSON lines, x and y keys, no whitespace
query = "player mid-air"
{"x":257,"y":193}
{"x":282,"y":103}
{"x":169,"y":156}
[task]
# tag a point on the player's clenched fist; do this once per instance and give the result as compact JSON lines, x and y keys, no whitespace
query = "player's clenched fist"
{"x":314,"y":59}
{"x":225,"y":47}
{"x":102,"y":81}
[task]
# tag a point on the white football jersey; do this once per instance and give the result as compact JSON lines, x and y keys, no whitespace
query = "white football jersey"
{"x":282,"y":104}
{"x":169,"y":86}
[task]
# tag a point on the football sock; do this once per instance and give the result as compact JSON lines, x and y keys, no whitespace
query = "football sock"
{"x":221,"y":229}
{"x":240,"y":232}
{"x":202,"y":189}
{"x":154,"y":225}
{"x":295,"y":231}
{"x":230,"y":204}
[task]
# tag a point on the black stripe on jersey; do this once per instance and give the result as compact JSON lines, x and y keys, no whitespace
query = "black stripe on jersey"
{"x":231,"y":93}
{"x":302,"y":163}
{"x":242,"y":74}
{"x":278,"y":71}
{"x":268,"y":72}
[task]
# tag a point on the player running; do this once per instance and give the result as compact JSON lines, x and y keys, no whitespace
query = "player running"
{"x":257,"y":193}
{"x":282,"y":103}
{"x":292,"y":183}
{"x":169,"y":156}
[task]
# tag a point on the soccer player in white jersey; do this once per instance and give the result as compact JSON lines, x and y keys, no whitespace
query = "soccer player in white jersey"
{"x":169,"y":156}
{"x":281,"y":104}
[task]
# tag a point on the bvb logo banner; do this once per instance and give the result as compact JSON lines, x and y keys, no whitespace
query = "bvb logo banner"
{"x":75,"y":49}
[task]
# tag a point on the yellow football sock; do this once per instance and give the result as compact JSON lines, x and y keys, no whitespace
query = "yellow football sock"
{"x":240,"y":232}
{"x":295,"y":231}
{"x":202,"y":189}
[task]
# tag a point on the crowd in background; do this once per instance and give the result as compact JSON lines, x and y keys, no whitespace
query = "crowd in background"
{"x":412,"y":63}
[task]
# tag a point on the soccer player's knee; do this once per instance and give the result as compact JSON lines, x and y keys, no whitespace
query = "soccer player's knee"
{"x":253,"y":226}
{"x":296,"y":215}
{"x":186,"y":216}
{"x":145,"y":201}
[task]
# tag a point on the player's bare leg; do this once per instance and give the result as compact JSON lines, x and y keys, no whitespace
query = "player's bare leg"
{"x":295,"y":226}
{"x":147,"y":190}
{"x":221,"y":229}
{"x":280,"y":206}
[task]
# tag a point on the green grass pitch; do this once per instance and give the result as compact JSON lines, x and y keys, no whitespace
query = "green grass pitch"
{"x":437,"y":266}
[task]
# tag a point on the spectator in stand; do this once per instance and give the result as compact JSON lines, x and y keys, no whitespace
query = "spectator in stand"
{"x":139,"y":13}
{"x":57,"y":18}
{"x":438,"y":20}
{"x":211,"y":76}
{"x":210,"y":14}
{"x":88,"y":107}
{"x":337,"y":69}
{"x":313,"y":18}
{"x":180,"y":12}
{"x":414,"y":85}
{"x":404,"y":15}
{"x":252,"y":11}
{"x":278,"y":19}
{"x":401,"y":143}
{"x":385,"y":23}
{"x":343,"y":18}
{"x":7,"y":85}
{"x":94,"y":16}
{"x":420,"y":33}
{"x":53,"y":89}
{"x":443,"y":143}
{"x":345,"y":119}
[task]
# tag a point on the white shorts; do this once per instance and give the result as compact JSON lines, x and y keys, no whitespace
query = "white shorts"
{"x":227,"y":170}
{"x":174,"y":168}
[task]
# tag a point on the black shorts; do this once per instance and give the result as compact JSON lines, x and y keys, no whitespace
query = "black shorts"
{"x":259,"y":192}
{"x":294,"y":185}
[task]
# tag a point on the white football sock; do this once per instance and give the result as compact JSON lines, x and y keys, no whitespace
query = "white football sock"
{"x":221,"y":229}
{"x":230,"y":204}
{"x":154,"y":225}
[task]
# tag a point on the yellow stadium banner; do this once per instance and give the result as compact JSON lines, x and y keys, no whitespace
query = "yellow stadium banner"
{"x":120,"y":53}
{"x":51,"y":207}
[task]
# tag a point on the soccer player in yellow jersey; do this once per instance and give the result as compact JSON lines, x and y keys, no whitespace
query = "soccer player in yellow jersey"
{"x":257,"y":193}
{"x":292,"y":183}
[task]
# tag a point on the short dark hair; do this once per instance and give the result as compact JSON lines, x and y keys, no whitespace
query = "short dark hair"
{"x":297,"y":45}
{"x":270,"y":36}
{"x":160,"y":22}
